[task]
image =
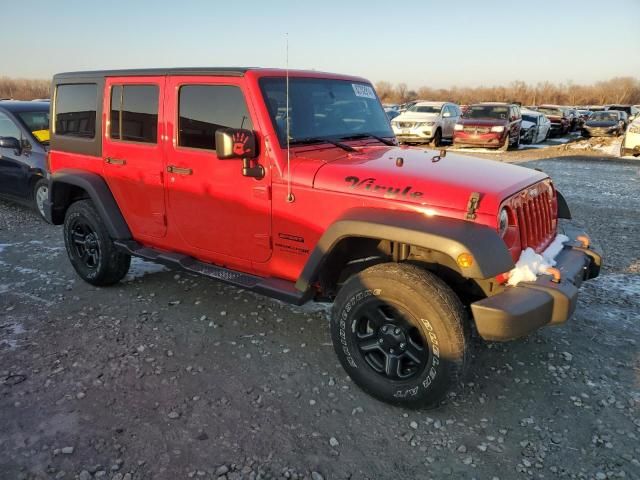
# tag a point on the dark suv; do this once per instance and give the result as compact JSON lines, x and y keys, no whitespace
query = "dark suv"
{"x":24,"y":140}
{"x":493,"y":125}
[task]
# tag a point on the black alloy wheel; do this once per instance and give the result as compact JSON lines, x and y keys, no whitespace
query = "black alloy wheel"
{"x":392,"y":346}
{"x":85,"y":243}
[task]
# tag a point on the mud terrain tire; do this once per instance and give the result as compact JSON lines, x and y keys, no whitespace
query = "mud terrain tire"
{"x":90,"y":248}
{"x":401,"y":335}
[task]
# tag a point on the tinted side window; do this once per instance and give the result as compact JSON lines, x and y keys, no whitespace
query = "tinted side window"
{"x":76,"y":110}
{"x":134,"y":113}
{"x":203,"y":109}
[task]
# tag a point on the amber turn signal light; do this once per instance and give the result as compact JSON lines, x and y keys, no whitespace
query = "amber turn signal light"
{"x":465,"y":260}
{"x":555,"y":273}
{"x":584,"y":240}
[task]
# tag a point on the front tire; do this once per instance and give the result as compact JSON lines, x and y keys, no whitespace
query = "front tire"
{"x":40,"y":195}
{"x":401,"y":335}
{"x":90,"y":248}
{"x":437,"y":138}
{"x":507,"y":144}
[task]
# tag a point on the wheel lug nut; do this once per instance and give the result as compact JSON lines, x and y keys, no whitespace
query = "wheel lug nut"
{"x":397,"y":331}
{"x":384,"y":329}
{"x":402,"y":346}
{"x":380,"y":341}
{"x":391,"y":350}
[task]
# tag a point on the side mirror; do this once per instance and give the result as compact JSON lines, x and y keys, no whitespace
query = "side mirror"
{"x":10,"y":142}
{"x":234,"y":143}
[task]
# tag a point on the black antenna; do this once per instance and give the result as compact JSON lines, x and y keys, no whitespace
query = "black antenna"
{"x":244,"y":117}
{"x":290,"y":196}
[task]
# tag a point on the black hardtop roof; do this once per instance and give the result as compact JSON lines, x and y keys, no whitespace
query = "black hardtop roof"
{"x":24,"y":106}
{"x":140,"y":72}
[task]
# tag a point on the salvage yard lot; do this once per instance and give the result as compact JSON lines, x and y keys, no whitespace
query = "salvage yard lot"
{"x":168,"y":375}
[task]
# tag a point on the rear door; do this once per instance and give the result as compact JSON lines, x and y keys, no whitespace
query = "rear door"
{"x":132,"y":151}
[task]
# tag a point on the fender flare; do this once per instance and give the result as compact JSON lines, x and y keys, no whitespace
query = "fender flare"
{"x":449,"y":236}
{"x":563,"y":207}
{"x":98,"y":191}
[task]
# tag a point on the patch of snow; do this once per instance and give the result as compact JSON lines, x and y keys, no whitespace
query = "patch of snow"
{"x":139,"y":268}
{"x":5,"y":245}
{"x":531,"y":264}
{"x":9,"y":332}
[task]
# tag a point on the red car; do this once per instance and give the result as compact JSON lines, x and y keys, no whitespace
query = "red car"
{"x":559,"y":118}
{"x":293,"y":187}
{"x":489,"y":125}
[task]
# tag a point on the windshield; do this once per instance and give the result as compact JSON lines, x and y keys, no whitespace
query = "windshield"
{"x":324,"y":108}
{"x":425,"y":109}
{"x":37,"y":123}
{"x":551,"y":111}
{"x":604,"y":117}
{"x":500,"y":112}
{"x":530,"y":118}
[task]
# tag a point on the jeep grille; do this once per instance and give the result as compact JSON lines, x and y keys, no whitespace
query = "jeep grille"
{"x":536,"y":216}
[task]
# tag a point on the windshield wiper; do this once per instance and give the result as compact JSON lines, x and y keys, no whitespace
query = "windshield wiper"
{"x":310,"y":140}
{"x":368,"y":135}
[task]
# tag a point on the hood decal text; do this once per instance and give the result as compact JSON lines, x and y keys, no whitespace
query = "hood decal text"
{"x":388,"y":192}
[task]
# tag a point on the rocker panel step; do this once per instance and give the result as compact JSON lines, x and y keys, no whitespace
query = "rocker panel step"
{"x":271,"y":287}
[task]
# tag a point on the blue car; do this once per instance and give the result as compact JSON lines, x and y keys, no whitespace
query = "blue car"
{"x":24,"y":141}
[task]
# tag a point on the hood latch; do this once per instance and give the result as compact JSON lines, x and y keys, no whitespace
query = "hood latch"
{"x":472,"y":205}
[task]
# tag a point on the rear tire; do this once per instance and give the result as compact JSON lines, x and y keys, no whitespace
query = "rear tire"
{"x":401,"y":335}
{"x":90,"y":248}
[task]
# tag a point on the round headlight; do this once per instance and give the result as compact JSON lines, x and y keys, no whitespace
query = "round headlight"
{"x":503,"y":222}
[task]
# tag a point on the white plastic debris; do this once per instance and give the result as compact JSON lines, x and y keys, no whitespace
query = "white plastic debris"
{"x":531,"y":264}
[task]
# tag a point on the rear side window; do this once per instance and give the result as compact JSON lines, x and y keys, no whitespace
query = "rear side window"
{"x":203,"y":109}
{"x":134,"y":113}
{"x":76,"y":110}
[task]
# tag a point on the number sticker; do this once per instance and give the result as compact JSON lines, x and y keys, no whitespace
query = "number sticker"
{"x":363,"y":90}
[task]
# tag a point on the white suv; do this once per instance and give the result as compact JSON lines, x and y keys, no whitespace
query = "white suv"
{"x":426,"y":122}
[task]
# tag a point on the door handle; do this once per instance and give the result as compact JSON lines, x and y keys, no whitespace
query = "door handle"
{"x":179,"y":170}
{"x":115,"y":161}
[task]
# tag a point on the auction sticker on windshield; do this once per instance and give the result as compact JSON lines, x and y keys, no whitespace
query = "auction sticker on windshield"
{"x":363,"y":90}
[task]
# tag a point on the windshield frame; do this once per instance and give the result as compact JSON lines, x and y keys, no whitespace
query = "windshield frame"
{"x":264,"y":83}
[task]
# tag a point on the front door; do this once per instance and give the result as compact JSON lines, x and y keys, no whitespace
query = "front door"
{"x":13,"y":179}
{"x":133,"y":153}
{"x":220,"y":214}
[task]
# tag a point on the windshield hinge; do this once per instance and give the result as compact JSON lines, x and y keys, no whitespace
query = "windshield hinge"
{"x":472,"y":205}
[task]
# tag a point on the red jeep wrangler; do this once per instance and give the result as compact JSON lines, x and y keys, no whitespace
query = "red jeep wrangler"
{"x":292,"y":186}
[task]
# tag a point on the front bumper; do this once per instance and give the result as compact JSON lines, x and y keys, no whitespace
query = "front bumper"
{"x":518,"y":311}
{"x":421,"y":135}
{"x":488,"y":140}
{"x":600,"y":132}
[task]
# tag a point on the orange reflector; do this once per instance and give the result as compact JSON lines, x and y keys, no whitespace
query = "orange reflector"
{"x":584,"y":240}
{"x":465,"y":260}
{"x":555,"y":273}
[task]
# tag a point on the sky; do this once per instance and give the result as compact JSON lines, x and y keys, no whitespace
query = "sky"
{"x":421,"y":43}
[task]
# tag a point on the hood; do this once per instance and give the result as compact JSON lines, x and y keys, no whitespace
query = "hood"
{"x":482,"y":122}
{"x":601,"y":123}
{"x":447,"y":183}
{"x":416,"y":117}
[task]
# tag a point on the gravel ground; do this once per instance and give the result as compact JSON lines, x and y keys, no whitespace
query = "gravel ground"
{"x":169,"y":376}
